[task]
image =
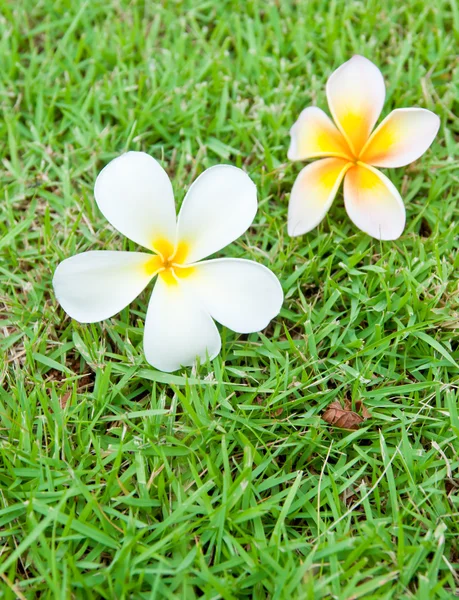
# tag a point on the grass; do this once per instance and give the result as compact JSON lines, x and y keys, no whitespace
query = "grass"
{"x":121,"y":482}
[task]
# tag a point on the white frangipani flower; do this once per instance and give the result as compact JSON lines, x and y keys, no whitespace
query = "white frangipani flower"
{"x":135,"y":195}
{"x":349,"y":150}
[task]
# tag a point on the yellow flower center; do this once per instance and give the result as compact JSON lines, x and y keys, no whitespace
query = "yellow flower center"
{"x":168,"y":262}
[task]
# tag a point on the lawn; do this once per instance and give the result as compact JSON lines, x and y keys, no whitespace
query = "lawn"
{"x":118,"y":481}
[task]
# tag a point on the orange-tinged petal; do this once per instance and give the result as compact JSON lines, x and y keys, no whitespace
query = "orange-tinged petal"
{"x":356,"y":93}
{"x":373,"y":203}
{"x":401,"y":138}
{"x":314,"y":134}
{"x":313,"y":193}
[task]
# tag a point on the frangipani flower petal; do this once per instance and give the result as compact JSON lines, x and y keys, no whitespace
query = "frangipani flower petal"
{"x":313,"y":193}
{"x":135,"y":195}
{"x":314,"y":135}
{"x":356,"y":93}
{"x":373,"y":203}
{"x":178,"y":329}
{"x":94,"y":286}
{"x":240,"y":294}
{"x":218,"y":208}
{"x":401,"y":138}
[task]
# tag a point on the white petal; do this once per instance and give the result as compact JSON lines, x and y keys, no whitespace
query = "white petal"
{"x":356,"y":93}
{"x":403,"y":136}
{"x":178,"y":329}
{"x":218,"y":208}
{"x":314,"y":134}
{"x":313,"y":193}
{"x":135,"y":195}
{"x":94,"y":286}
{"x":373,"y":203}
{"x":240,"y":294}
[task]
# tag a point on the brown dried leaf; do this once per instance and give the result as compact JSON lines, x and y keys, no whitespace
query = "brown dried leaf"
{"x":360,"y":406}
{"x":345,"y":417}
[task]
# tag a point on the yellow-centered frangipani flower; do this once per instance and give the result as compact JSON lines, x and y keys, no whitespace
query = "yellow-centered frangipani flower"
{"x":135,"y":195}
{"x":355,"y":93}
